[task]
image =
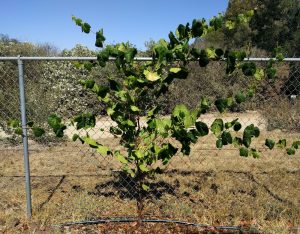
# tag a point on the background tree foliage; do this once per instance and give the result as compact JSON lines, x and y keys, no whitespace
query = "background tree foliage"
{"x":275,"y":22}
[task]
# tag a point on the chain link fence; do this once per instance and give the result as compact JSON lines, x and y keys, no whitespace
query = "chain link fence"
{"x":70,"y":182}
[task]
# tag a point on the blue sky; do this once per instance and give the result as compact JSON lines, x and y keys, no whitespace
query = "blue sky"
{"x":136,"y":21}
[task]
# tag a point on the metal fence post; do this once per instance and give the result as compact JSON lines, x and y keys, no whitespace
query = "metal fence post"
{"x":24,"y":137}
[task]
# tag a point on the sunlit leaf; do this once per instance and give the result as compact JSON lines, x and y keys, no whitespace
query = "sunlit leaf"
{"x":120,"y":157}
{"x":217,"y":126}
{"x":152,"y":76}
{"x":259,"y":74}
{"x":103,"y":150}
{"x":145,"y":187}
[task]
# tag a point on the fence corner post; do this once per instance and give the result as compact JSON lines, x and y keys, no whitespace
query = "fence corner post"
{"x":24,"y":137}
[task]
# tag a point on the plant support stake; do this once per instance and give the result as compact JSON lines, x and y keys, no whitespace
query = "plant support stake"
{"x":24,"y":137}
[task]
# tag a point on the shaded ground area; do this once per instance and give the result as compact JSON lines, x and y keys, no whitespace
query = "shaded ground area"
{"x":215,"y":187}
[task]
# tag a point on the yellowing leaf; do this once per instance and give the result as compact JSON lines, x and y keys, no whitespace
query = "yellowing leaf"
{"x":259,"y":74}
{"x":143,"y":168}
{"x":120,"y":157}
{"x":175,"y":69}
{"x":134,"y":108}
{"x":103,"y":150}
{"x":145,"y":187}
{"x":211,"y":53}
{"x":122,"y":47}
{"x":152,"y":76}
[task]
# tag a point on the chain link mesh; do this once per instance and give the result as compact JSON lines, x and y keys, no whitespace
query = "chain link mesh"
{"x":72,"y":182}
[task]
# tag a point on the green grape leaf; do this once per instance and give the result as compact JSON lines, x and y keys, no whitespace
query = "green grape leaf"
{"x":226,"y":138}
{"x":217,"y":126}
{"x":270,"y":143}
{"x":219,"y":52}
{"x":291,"y":151}
{"x":237,"y":126}
{"x":163,"y":125}
{"x":130,"y":53}
{"x":249,"y":132}
{"x":237,"y":141}
{"x":180,"y":111}
{"x":85,"y":27}
{"x":85,"y":121}
{"x":281,"y":143}
{"x":197,"y":28}
{"x":254,"y":153}
{"x":181,"y":32}
{"x":240,"y":97}
{"x":19,"y":131}
{"x":115,"y":130}
{"x":77,"y":21}
{"x":102,"y":91}
{"x":271,"y":73}
{"x":231,"y":123}
{"x":37,"y":131}
{"x":54,"y":122}
{"x":99,"y":38}
{"x":75,"y":137}
{"x":195,"y":52}
{"x":204,"y":105}
{"x":203,"y":58}
{"x":296,"y":144}
{"x":114,"y":85}
{"x":249,"y":69}
{"x":222,"y":104}
{"x":244,"y":152}
{"x":219,"y":143}
{"x":202,"y":128}
{"x":173,"y":40}
{"x":13,"y":123}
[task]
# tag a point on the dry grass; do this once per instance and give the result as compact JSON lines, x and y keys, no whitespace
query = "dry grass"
{"x":216,"y":187}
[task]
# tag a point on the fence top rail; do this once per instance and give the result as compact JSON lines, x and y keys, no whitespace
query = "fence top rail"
{"x":136,"y":58}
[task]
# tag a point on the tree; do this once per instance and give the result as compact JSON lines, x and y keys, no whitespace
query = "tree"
{"x":148,"y":147}
{"x":272,"y":23}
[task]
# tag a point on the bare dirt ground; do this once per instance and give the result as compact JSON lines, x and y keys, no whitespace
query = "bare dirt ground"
{"x":216,"y":187}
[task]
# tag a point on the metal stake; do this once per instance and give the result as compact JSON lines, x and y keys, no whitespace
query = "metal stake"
{"x":24,"y":137}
